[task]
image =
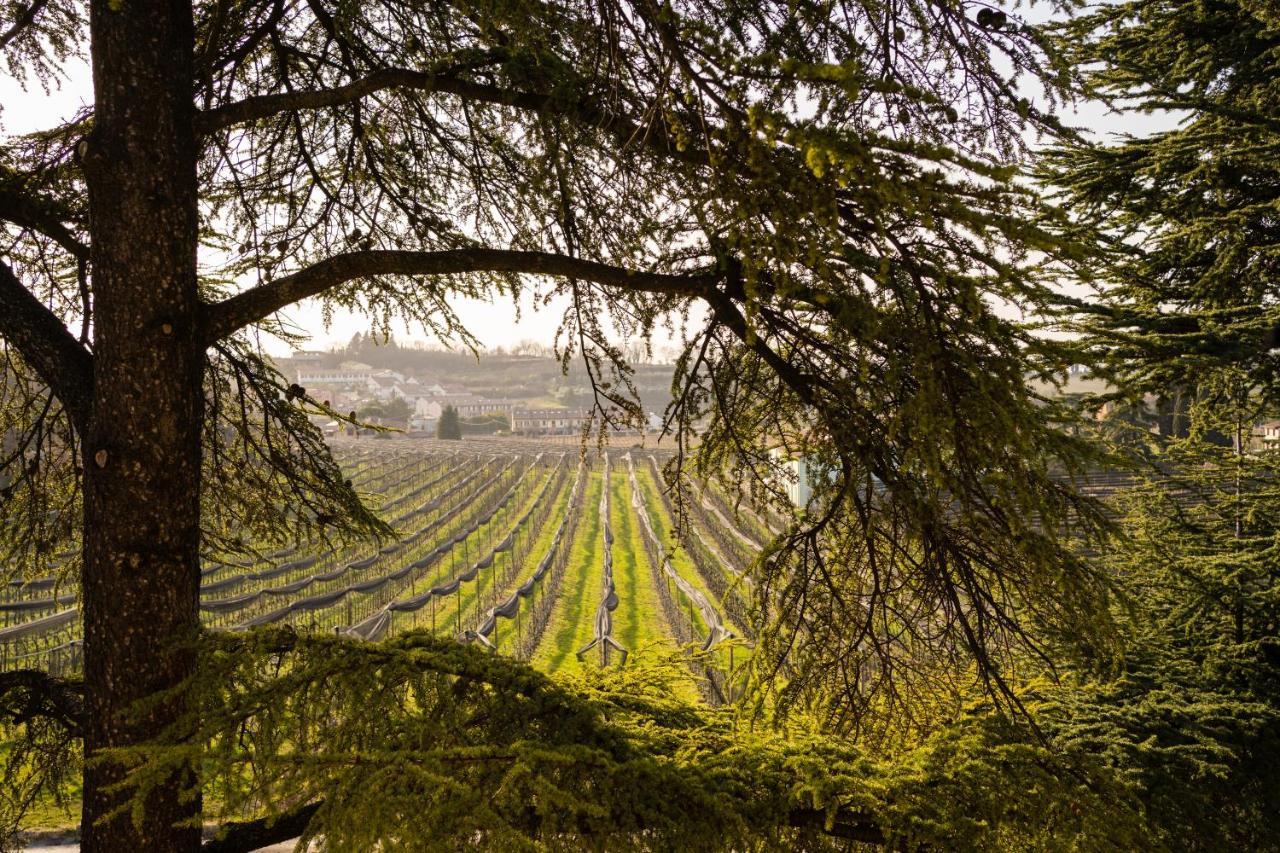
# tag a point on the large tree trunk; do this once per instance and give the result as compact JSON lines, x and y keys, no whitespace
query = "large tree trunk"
{"x":142,"y":448}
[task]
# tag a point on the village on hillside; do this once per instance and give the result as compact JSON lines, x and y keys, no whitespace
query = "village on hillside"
{"x":409,"y":389}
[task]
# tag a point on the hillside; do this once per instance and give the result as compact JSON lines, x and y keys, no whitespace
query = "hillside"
{"x":500,"y":375}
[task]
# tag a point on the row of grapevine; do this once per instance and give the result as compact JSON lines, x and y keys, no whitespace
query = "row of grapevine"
{"x":44,"y":631}
{"x":603,"y":638}
{"x":714,"y":626}
{"x":681,"y":603}
{"x":541,"y":585}
{"x":365,"y":574}
{"x":722,"y":578}
{"x":382,"y":582}
{"x":494,"y":546}
{"x":380,"y":623}
{"x":24,"y":594}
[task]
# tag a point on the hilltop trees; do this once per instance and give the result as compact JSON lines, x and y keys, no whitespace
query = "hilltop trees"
{"x":637,"y":159}
{"x":395,"y":409}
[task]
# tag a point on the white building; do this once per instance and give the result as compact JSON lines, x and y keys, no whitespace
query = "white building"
{"x":548,"y":421}
{"x":483,"y":407}
{"x":1269,"y":432}
{"x":425,"y":407}
{"x":801,"y":475}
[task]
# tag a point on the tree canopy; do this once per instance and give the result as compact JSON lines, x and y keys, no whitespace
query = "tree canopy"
{"x":449,"y":427}
{"x":1181,"y":321}
{"x":1186,"y":311}
{"x":825,"y":195}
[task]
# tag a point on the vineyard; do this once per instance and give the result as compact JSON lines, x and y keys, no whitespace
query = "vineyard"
{"x":528,"y":551}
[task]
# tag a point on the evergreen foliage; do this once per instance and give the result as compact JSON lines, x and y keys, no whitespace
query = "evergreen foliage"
{"x":1182,"y":326}
{"x":1189,"y":211}
{"x":449,"y":426}
{"x":423,"y":744}
{"x":828,"y":195}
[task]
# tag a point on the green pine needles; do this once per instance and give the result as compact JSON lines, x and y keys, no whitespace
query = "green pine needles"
{"x":426,"y":745}
{"x":953,"y":645}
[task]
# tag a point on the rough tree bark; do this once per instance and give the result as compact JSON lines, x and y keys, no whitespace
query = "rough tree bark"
{"x":142,"y":446}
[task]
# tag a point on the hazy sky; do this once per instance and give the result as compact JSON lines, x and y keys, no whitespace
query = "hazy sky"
{"x":22,"y":111}
{"x":495,"y":325}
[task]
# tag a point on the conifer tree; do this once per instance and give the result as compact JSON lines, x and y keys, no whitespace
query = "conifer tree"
{"x":1183,"y":324}
{"x":449,"y":426}
{"x":831,"y":186}
{"x":1188,"y":211}
{"x":1186,"y":312}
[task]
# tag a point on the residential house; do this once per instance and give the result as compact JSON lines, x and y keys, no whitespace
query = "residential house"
{"x":548,"y":421}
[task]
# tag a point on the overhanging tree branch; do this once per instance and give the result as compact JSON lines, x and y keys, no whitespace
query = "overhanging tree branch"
{"x":726,"y":312}
{"x":654,"y":133}
{"x":266,"y":106}
{"x":226,"y":317}
{"x":256,"y":834}
{"x":23,"y":20}
{"x":45,"y":344}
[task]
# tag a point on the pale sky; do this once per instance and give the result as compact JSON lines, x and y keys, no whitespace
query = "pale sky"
{"x":494,"y":324}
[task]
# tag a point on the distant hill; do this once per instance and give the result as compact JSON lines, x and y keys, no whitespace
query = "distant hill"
{"x":533,"y":377}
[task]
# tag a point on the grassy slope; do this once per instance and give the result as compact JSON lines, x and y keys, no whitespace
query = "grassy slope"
{"x":569,"y":628}
{"x":680,"y":559}
{"x":638,"y":623}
